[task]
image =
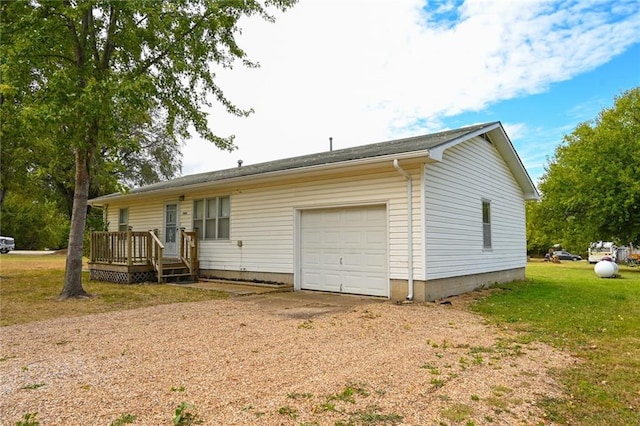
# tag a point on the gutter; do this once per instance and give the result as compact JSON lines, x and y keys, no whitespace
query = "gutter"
{"x":396,"y":165}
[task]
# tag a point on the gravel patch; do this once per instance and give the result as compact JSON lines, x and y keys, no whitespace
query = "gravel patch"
{"x":242,"y":361}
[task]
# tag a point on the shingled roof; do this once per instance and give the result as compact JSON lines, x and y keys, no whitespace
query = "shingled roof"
{"x":371,"y":151}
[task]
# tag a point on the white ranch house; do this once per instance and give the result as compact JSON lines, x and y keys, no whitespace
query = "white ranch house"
{"x":421,"y":218}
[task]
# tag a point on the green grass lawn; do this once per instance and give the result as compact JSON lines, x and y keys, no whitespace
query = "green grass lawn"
{"x":30,"y":285}
{"x":595,"y":319}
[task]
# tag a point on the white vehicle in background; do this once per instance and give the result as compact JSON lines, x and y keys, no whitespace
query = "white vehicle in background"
{"x":7,"y":244}
{"x":600,"y":250}
{"x":607,"y":249}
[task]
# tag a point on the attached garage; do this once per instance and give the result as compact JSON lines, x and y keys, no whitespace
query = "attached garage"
{"x":344,"y":250}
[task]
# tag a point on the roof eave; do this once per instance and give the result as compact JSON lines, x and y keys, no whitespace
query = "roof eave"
{"x":422,"y":155}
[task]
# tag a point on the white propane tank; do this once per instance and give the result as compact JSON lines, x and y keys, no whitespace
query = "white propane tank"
{"x":606,"y":269}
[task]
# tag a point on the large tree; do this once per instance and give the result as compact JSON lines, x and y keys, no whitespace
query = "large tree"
{"x":90,"y":76}
{"x":591,"y":187}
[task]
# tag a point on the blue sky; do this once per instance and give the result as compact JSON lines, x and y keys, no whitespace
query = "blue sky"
{"x":548,"y":116}
{"x":365,"y":71}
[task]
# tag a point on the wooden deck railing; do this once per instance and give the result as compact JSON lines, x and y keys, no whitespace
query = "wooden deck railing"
{"x":127,"y":248}
{"x":142,"y":248}
{"x":189,"y":250}
{"x":156,"y":253}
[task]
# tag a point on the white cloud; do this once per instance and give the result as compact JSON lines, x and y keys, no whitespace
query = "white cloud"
{"x":366,"y":71}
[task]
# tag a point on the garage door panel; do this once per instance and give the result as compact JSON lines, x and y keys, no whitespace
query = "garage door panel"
{"x":312,"y":259}
{"x":376,"y":237}
{"x":354,"y":237}
{"x":376,"y":261}
{"x":313,"y":236}
{"x":353,"y":216}
{"x":331,"y":218}
{"x":355,"y":282}
{"x":318,"y":280}
{"x":330,"y":260}
{"x":352,"y":261}
{"x":345,"y":250}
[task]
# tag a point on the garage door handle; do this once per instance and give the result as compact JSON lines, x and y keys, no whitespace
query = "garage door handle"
{"x":341,"y":260}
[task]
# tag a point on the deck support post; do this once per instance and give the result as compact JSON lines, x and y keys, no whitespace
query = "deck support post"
{"x":129,"y":246}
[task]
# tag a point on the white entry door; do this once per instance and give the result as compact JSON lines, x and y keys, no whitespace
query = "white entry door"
{"x":345,"y":250}
{"x":171,"y":230}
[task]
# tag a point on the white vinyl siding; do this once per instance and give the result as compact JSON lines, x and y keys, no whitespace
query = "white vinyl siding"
{"x":263,"y":217}
{"x":148,"y":214}
{"x":454,"y":189}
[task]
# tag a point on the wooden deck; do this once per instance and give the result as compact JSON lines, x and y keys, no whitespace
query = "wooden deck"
{"x":132,"y":257}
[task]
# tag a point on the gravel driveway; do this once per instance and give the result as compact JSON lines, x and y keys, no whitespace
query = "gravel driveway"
{"x":276,"y":359}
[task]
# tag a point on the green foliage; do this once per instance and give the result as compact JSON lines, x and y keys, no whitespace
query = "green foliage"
{"x":184,"y":417}
{"x":307,"y":324}
{"x":99,"y":87}
{"x":457,"y":412}
{"x":591,"y":190}
{"x":29,"y":419}
{"x":35,"y":224}
{"x":349,"y":393}
{"x":288,"y":411}
{"x":32,"y":386}
{"x":123,"y":420}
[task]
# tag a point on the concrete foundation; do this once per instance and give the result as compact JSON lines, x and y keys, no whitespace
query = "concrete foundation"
{"x":428,"y":291}
{"x":247,"y":276}
{"x":423,"y":291}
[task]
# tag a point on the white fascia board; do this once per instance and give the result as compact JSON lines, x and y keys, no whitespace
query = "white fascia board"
{"x":437,"y":152}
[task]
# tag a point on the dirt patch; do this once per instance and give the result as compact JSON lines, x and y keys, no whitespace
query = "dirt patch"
{"x":268,"y":361}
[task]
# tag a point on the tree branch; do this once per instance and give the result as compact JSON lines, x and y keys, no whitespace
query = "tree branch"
{"x":153,"y":61}
{"x":109,"y":45}
{"x":53,"y":55}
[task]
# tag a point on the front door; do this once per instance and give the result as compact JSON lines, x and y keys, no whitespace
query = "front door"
{"x":171,"y":230}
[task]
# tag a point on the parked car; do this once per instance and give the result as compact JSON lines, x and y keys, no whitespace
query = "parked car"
{"x":565,"y":255}
{"x":7,"y":244}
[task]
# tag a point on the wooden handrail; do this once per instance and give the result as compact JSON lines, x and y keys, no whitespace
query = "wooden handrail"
{"x":157,"y":253}
{"x":155,"y":238}
{"x":189,"y":251}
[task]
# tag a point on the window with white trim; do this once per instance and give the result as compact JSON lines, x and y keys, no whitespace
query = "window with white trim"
{"x":123,"y":220}
{"x":486,"y":224}
{"x":211,"y":218}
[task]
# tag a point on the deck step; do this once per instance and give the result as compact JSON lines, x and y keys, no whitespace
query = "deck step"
{"x":175,"y":275}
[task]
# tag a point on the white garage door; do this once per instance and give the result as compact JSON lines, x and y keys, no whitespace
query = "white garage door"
{"x":345,"y":250}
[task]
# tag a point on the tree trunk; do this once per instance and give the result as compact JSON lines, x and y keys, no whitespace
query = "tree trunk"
{"x":73,"y":273}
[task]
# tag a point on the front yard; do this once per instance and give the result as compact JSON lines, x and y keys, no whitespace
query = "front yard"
{"x":131,"y":356}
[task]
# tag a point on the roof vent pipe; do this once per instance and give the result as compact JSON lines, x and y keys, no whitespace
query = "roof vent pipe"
{"x":239,"y":163}
{"x":407,"y":176}
{"x":330,"y":144}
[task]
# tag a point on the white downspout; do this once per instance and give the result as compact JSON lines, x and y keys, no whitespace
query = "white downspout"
{"x":407,"y":176}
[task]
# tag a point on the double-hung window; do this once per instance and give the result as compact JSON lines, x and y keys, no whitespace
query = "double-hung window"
{"x":123,"y":220}
{"x":486,"y":224}
{"x":211,"y":218}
